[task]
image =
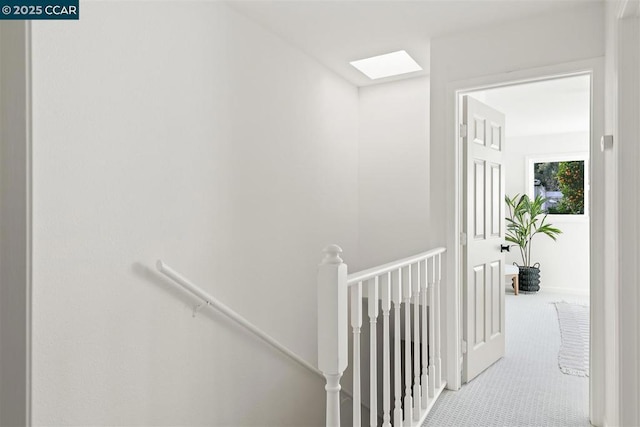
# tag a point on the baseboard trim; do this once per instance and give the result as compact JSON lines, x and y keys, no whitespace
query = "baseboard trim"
{"x":429,"y":406}
{"x":570,"y":291}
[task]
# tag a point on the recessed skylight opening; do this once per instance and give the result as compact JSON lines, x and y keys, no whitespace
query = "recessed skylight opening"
{"x":389,"y":64}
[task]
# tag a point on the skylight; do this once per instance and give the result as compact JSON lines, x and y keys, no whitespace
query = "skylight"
{"x":389,"y":64}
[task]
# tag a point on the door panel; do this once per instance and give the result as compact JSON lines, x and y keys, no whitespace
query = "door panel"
{"x":496,"y":291}
{"x":496,"y":206}
{"x":483,"y":271}
{"x":478,"y":290}
{"x":496,"y":136}
{"x":478,"y":200}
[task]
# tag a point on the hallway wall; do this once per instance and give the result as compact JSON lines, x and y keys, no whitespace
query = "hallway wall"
{"x":190,"y":134}
{"x":393,"y":173}
{"x":612,"y":380}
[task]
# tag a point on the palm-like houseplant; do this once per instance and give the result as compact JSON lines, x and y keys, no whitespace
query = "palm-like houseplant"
{"x":526,"y":219}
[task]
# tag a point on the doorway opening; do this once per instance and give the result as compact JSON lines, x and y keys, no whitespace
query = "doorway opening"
{"x":546,"y":154}
{"x":549,"y":131}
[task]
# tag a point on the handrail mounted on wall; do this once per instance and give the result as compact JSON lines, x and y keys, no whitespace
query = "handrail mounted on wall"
{"x":212,"y":302}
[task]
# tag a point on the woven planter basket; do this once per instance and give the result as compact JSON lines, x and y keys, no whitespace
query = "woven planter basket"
{"x":529,"y":278}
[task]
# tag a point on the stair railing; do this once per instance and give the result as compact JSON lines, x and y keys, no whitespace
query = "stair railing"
{"x":411,"y":283}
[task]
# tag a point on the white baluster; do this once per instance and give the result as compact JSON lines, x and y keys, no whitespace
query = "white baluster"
{"x":423,"y":293}
{"x":332,"y":328}
{"x":438,"y":380}
{"x":406,"y":295}
{"x":385,"y":302}
{"x":373,"y":352}
{"x":396,"y":297}
{"x":432,"y":333}
{"x":415,"y":297}
{"x":356,"y":324}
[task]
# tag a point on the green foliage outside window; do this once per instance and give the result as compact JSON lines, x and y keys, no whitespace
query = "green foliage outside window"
{"x":566,"y":178}
{"x":571,"y":183}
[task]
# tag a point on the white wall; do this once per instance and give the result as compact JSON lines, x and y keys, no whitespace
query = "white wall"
{"x":565,"y":262}
{"x":504,"y":53}
{"x":181,"y":131}
{"x":393,"y":171}
{"x":612,"y":400}
{"x":622,"y":182}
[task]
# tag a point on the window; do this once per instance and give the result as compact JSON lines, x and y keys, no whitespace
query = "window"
{"x":562,"y":180}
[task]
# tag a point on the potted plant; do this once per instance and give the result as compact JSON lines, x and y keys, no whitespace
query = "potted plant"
{"x":526,"y":219}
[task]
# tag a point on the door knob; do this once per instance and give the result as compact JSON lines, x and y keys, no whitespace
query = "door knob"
{"x":504,"y":248}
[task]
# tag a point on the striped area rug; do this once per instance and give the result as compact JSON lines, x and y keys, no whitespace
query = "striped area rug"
{"x":573,"y":357}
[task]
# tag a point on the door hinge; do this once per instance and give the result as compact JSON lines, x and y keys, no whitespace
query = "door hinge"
{"x":463,"y":345}
{"x":463,"y":238}
{"x":463,"y":130}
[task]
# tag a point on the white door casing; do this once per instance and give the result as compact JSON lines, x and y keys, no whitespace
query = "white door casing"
{"x":456,"y":211}
{"x":484,"y":225}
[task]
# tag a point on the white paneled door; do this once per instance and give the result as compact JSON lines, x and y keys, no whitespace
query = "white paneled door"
{"x":484,"y":225}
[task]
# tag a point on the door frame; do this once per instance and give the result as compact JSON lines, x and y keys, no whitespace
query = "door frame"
{"x":16,"y":223}
{"x":455,"y":90}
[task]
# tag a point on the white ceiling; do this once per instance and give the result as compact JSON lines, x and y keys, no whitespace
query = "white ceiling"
{"x":542,"y":108}
{"x":337,"y":32}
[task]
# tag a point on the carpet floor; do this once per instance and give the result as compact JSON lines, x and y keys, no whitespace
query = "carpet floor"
{"x":526,"y":387}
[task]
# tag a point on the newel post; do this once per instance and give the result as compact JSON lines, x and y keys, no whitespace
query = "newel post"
{"x":332,"y":327}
